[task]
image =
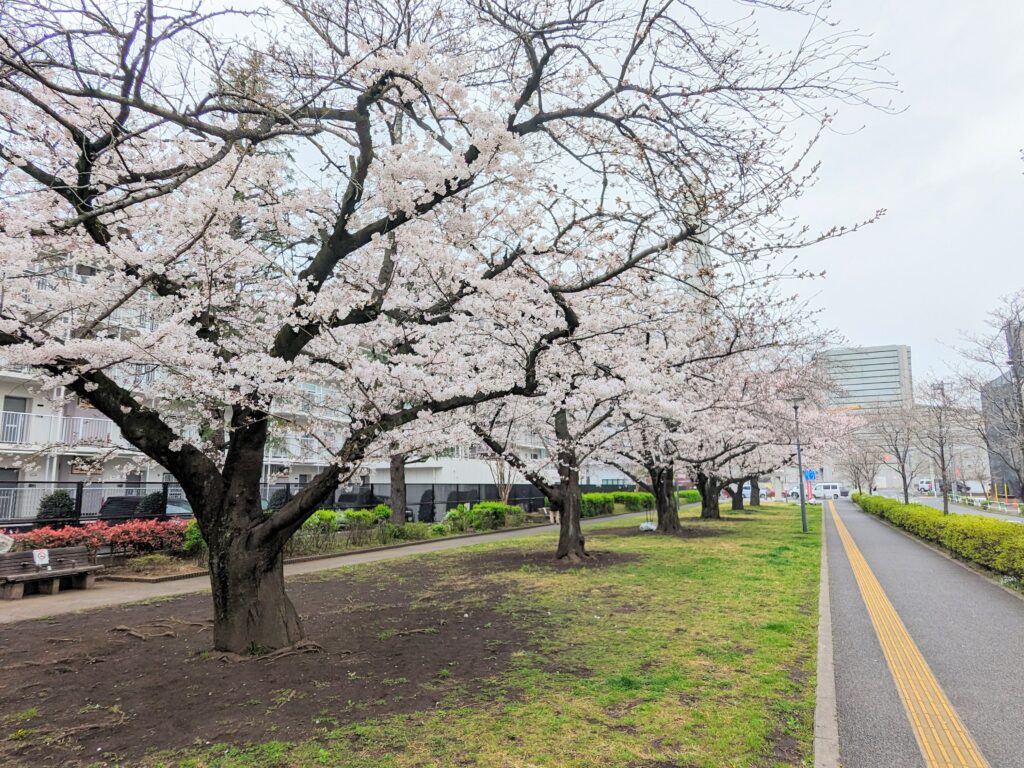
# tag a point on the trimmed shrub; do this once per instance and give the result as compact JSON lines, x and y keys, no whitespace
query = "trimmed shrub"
{"x":415,"y":531}
{"x":92,"y":535}
{"x":389,"y":532}
{"x":323,"y":521}
{"x":135,"y":537}
{"x":438,"y":529}
{"x":634,"y":501}
{"x":995,"y":544}
{"x":381,"y":513}
{"x":595,"y":504}
{"x":193,"y":543}
{"x":57,"y":509}
{"x":689,"y":496}
{"x":488,"y":515}
{"x":458,"y":519}
{"x":357,"y":517}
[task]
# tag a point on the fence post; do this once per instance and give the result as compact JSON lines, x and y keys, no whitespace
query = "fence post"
{"x":287,"y":491}
{"x":79,"y":492}
{"x":165,"y":488}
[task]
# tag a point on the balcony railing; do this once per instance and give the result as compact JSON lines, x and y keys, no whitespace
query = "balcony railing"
{"x":31,"y":429}
{"x":48,"y":429}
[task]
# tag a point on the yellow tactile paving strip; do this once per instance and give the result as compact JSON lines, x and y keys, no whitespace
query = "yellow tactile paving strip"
{"x":940,"y":733}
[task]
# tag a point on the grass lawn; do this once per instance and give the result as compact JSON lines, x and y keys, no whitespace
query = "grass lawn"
{"x":687,"y":651}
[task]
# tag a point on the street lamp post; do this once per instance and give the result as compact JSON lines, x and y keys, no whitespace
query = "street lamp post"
{"x":800,"y":464}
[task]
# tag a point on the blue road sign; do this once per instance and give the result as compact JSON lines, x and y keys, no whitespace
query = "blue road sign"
{"x":810,"y":474}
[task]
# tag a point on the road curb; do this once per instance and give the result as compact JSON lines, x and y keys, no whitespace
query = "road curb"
{"x":826,"y":717}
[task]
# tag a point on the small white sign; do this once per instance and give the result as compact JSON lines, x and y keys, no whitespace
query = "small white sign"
{"x":41,"y":557}
{"x":6,"y":542}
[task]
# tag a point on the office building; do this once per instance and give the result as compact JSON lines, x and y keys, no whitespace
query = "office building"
{"x":870,"y":377}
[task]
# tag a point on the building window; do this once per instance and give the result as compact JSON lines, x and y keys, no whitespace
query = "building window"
{"x":612,"y":482}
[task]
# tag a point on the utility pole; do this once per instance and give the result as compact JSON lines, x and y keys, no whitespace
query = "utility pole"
{"x":800,"y":464}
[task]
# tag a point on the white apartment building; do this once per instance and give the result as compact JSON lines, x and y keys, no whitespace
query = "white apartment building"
{"x":44,"y":447}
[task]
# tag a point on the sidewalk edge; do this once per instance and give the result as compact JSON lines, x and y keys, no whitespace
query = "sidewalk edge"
{"x":826,"y":719}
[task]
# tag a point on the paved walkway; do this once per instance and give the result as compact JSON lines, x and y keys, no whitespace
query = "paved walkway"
{"x":927,"y":653}
{"x":107,"y":593}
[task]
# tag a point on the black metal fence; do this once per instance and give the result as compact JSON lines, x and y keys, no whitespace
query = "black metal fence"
{"x":28,"y":504}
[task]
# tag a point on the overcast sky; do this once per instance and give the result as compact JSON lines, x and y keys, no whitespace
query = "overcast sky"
{"x":948,"y":170}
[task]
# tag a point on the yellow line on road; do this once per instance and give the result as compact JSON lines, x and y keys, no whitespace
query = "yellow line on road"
{"x":940,"y":733}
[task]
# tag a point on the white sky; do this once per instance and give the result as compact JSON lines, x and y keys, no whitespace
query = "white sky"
{"x":948,"y":170}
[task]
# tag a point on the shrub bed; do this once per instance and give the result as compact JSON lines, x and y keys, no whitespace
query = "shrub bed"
{"x":484,"y":516}
{"x":995,"y":544}
{"x":135,"y":537}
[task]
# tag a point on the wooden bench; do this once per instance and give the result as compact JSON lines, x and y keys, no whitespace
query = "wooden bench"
{"x":72,"y":563}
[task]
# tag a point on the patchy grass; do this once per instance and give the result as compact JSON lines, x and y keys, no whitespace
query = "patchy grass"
{"x":694,"y":651}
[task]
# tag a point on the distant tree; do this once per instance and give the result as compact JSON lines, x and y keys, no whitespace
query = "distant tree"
{"x":994,"y":379}
{"x":936,"y":429}
{"x":894,"y":432}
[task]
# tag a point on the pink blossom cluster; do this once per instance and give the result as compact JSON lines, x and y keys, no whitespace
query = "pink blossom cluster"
{"x":134,"y":537}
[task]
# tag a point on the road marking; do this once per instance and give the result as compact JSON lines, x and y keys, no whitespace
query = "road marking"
{"x":940,"y":733}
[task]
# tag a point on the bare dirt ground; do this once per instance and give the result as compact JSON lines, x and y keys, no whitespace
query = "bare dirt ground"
{"x":124,"y":681}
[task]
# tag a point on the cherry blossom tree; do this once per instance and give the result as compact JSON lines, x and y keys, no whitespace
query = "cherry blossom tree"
{"x":399,"y":204}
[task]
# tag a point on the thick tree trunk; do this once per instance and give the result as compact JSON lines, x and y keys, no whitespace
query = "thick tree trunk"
{"x":398,"y":490}
{"x":251,"y":611}
{"x":709,"y":490}
{"x":755,"y":492}
{"x":663,"y":486}
{"x":571,"y":544}
{"x":737,"y":497}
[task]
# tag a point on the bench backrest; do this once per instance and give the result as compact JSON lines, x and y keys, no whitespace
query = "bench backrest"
{"x":61,"y":559}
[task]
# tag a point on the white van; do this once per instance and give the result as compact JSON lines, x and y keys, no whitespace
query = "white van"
{"x":827,"y":491}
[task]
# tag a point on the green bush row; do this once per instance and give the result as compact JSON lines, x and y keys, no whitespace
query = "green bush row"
{"x":595,"y":504}
{"x":634,"y":501}
{"x":484,"y":516}
{"x":995,"y":544}
{"x":689,"y":496}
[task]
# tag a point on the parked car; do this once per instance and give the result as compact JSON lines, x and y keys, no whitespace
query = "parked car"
{"x":794,"y":492}
{"x":179,"y":508}
{"x":118,"y":509}
{"x":762,"y":493}
{"x":925,"y":486}
{"x":827,"y":490}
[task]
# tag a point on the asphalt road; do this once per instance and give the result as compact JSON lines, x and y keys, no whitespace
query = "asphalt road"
{"x":969,"y":630}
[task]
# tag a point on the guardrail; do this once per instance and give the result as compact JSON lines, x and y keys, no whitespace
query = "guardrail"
{"x":1003,"y":507}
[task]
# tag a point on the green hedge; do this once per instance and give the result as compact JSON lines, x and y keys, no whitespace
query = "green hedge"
{"x":634,"y":501}
{"x":483,"y":516}
{"x":689,"y":496}
{"x":488,"y":515}
{"x":595,"y":504}
{"x":996,"y":544}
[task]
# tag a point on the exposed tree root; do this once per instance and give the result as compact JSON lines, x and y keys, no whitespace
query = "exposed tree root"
{"x":575,"y":557}
{"x":303,"y":646}
{"x":63,"y":660}
{"x":421,"y":631}
{"x":142,"y":635}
